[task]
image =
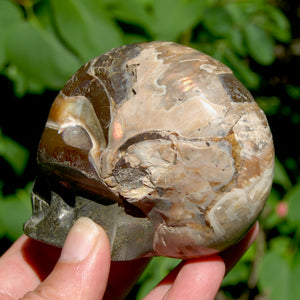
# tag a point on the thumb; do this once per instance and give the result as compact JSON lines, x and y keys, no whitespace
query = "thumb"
{"x":83,"y":267}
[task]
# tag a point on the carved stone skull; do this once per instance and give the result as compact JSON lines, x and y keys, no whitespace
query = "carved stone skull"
{"x":162,"y":146}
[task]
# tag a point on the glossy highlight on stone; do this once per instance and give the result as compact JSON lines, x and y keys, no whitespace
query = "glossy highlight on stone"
{"x":162,"y":146}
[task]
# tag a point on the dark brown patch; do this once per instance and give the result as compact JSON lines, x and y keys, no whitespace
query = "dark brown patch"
{"x":235,"y":89}
{"x":114,"y":81}
{"x":112,"y":69}
{"x":127,"y":176}
{"x":142,"y":137}
{"x":83,"y":84}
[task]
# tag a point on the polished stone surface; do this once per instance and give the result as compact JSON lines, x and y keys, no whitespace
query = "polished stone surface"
{"x":162,"y":146}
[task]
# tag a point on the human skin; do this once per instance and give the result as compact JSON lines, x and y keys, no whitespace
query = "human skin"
{"x":32,"y":270}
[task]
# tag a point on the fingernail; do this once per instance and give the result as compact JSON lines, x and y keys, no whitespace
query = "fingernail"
{"x":80,"y":240}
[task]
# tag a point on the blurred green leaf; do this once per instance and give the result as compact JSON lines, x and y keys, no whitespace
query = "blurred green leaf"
{"x":157,"y":269}
{"x":260,"y":44}
{"x":280,"y":175}
{"x":290,"y":162}
{"x":134,"y":38}
{"x":163,"y":20}
{"x":275,"y":276}
{"x":85,"y":27}
{"x":218,"y":21}
{"x":293,"y":91}
{"x":10,"y":14}
{"x":284,"y":246}
{"x":15,"y":209}
{"x":237,"y":12}
{"x":293,"y":200}
{"x":15,"y":154}
{"x":236,"y":39}
{"x":170,"y":18}
{"x":278,"y":279}
{"x":39,"y":56}
{"x":42,"y":12}
{"x":279,"y":24}
{"x":2,"y":49}
{"x":2,"y":227}
{"x":295,"y":287}
{"x":23,"y":83}
{"x":132,"y":11}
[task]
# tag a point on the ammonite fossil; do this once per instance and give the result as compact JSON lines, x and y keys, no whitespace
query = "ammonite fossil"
{"x":162,"y":146}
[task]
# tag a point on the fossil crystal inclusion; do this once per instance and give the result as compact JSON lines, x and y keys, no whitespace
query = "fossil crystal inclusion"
{"x":159,"y":144}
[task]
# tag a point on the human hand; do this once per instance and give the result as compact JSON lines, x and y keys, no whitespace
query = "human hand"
{"x":201,"y":278}
{"x":82,"y":270}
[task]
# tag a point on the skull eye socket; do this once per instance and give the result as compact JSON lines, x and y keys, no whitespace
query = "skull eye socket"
{"x":41,"y":188}
{"x":76,"y":136}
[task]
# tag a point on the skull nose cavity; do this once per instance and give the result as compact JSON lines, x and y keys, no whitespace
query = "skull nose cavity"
{"x":44,"y":186}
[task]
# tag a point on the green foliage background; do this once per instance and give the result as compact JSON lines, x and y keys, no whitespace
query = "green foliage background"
{"x":43,"y":42}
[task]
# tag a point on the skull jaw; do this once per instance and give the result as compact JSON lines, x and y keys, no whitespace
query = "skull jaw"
{"x":130,"y":237}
